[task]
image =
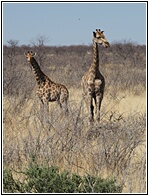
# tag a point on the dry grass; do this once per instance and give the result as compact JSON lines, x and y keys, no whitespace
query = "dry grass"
{"x":114,"y":148}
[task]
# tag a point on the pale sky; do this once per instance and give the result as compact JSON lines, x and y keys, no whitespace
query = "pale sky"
{"x":73,"y":23}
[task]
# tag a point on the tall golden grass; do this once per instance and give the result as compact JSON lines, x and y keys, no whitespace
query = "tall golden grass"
{"x":115,"y":147}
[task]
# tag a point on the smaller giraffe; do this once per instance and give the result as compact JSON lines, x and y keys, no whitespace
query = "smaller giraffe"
{"x":48,"y":91}
{"x":93,"y":82}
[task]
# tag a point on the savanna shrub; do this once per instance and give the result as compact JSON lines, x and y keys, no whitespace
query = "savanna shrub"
{"x":9,"y":184}
{"x":43,"y":179}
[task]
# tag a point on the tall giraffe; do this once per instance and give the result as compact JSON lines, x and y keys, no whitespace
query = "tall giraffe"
{"x":48,"y":91}
{"x":93,"y":82}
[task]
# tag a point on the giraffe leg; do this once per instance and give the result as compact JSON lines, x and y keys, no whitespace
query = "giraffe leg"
{"x":89,"y":105}
{"x":98,"y":106}
{"x":63,"y":100}
{"x":41,"y":111}
{"x":47,"y":107}
{"x":44,"y":110}
{"x":90,"y":108}
{"x":59,"y":103}
{"x":64,"y":105}
{"x":95,"y":105}
{"x":85,"y":99}
{"x":47,"y":112}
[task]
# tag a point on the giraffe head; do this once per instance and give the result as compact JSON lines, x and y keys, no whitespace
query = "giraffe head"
{"x":98,"y":37}
{"x":29,"y":55}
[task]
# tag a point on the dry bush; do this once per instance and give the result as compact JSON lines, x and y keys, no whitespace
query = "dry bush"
{"x":128,"y":53}
{"x":115,"y":147}
{"x":117,"y":63}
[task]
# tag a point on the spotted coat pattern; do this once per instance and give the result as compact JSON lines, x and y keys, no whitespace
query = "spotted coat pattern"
{"x":48,"y":91}
{"x":93,"y":82}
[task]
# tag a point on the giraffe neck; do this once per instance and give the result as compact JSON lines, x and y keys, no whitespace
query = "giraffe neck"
{"x":39,"y":75}
{"x":96,"y":55}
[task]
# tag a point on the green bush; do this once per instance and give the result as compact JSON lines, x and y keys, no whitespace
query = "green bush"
{"x":49,"y":180}
{"x":94,"y":184}
{"x":9,"y":184}
{"x":43,"y":179}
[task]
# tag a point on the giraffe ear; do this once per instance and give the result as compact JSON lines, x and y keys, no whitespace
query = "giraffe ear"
{"x":94,"y":34}
{"x":25,"y":53}
{"x":102,"y":31}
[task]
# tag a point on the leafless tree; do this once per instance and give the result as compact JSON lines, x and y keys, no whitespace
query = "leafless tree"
{"x":38,"y":44}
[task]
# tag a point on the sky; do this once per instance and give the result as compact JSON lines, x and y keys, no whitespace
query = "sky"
{"x":73,"y":23}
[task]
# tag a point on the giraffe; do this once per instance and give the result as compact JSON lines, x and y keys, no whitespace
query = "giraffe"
{"x":48,"y":91}
{"x":93,"y":82}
